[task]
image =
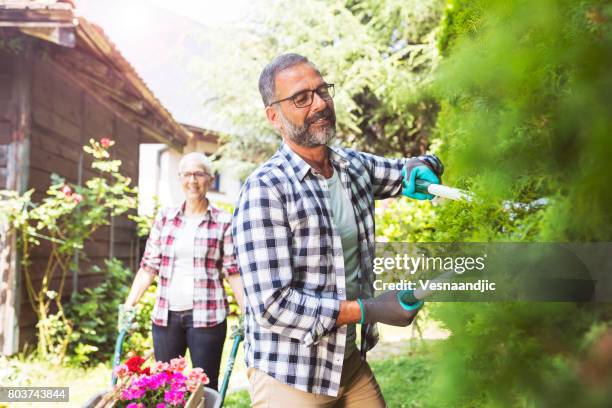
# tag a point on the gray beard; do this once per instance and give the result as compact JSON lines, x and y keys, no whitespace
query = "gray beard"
{"x":303,"y":137}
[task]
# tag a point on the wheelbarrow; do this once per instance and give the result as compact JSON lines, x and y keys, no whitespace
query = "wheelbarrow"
{"x":212,"y":398}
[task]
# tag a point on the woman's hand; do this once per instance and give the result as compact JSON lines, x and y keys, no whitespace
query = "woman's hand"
{"x":142,"y":281}
{"x":125,"y":317}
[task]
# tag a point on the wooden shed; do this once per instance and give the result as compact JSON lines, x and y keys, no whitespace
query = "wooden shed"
{"x":62,"y":82}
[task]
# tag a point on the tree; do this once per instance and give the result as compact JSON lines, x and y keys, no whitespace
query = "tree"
{"x":380,"y":55}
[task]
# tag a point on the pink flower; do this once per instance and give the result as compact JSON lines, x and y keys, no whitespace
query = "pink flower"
{"x":160,"y":366}
{"x":156,"y":381}
{"x":195,"y":378}
{"x":67,"y":190}
{"x":106,"y":142}
{"x":178,"y":364}
{"x":122,"y":370}
{"x":174,"y":397}
{"x":132,"y":393}
{"x":160,"y":406}
{"x":77,"y":198}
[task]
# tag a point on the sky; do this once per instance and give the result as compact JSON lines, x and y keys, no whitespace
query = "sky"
{"x":159,"y":37}
{"x":208,"y":12}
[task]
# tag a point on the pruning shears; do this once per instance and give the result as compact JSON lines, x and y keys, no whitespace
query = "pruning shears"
{"x":439,"y":190}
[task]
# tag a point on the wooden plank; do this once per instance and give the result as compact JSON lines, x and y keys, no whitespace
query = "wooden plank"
{"x":57,"y":13}
{"x":124,"y":222}
{"x":127,"y":139}
{"x":152,"y":129}
{"x":86,"y":267}
{"x":56,"y":144}
{"x":77,"y":59}
{"x":125,"y":235}
{"x":66,"y":100}
{"x":100,"y":235}
{"x":5,"y":88}
{"x":129,"y":167}
{"x":5,"y":132}
{"x":98,"y":119}
{"x":101,"y":250}
{"x":51,"y":121}
{"x":52,"y":163}
{"x":41,"y":180}
{"x":95,"y":249}
{"x":16,"y":179}
{"x":42,"y":85}
{"x":42,"y":145}
{"x":3,"y":156}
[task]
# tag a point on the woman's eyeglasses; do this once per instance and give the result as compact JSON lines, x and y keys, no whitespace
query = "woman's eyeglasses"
{"x":200,"y":175}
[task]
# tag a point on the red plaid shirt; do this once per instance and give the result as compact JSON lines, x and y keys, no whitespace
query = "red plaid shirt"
{"x":213,"y":257}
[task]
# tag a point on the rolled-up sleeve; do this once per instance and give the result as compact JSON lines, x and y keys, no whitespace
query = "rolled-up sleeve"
{"x":262,"y":238}
{"x":386,"y":175}
{"x":151,"y":259}
{"x":230,"y":265}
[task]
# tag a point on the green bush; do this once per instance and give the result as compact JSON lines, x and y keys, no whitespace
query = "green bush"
{"x":93,"y":313}
{"x":524,"y":95}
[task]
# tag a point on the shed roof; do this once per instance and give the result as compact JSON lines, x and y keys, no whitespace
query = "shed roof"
{"x":90,"y":57}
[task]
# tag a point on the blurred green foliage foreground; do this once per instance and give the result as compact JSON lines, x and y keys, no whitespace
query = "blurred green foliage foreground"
{"x":515,"y":97}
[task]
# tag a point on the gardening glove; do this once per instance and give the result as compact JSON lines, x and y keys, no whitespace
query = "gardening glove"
{"x":388,"y":309}
{"x":125,"y":317}
{"x":238,"y":330}
{"x":426,"y":167}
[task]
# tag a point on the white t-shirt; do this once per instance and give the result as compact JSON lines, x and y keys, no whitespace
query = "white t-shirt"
{"x":180,"y":290}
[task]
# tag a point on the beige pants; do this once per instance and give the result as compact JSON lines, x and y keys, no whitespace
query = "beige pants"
{"x":358,"y":388}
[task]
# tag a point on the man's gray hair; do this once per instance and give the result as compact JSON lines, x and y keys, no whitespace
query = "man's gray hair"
{"x":267,"y":87}
{"x":198,"y":157}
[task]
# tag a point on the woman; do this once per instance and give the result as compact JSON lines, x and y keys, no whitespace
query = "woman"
{"x":189,"y":249}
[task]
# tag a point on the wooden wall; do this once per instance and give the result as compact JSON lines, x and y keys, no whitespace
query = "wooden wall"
{"x":6,"y":71}
{"x":15,"y":93}
{"x":64,"y":116}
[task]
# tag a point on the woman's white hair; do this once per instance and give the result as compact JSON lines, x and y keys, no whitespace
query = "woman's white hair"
{"x":198,"y":157}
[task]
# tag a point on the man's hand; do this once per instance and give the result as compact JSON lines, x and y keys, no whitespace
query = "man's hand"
{"x":387,"y":309}
{"x":426,"y":167}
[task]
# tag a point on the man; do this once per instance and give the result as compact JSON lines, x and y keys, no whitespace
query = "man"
{"x":304,"y":239}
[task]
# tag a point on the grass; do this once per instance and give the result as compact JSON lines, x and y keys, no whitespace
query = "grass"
{"x":28,"y":371}
{"x":404,"y":376}
{"x":404,"y":379}
{"x":401,"y":365}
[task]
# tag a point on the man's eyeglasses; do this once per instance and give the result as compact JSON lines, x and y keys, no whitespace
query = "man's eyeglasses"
{"x":200,"y":175}
{"x":305,"y":98}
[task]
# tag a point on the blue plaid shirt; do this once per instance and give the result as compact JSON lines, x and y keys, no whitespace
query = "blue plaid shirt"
{"x":291,"y":261}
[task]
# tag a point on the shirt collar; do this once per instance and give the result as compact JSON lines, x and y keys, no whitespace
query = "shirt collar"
{"x":211,"y":211}
{"x":301,"y":168}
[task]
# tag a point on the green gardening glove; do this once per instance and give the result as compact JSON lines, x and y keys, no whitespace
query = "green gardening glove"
{"x":427,"y":168}
{"x":125,"y":317}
